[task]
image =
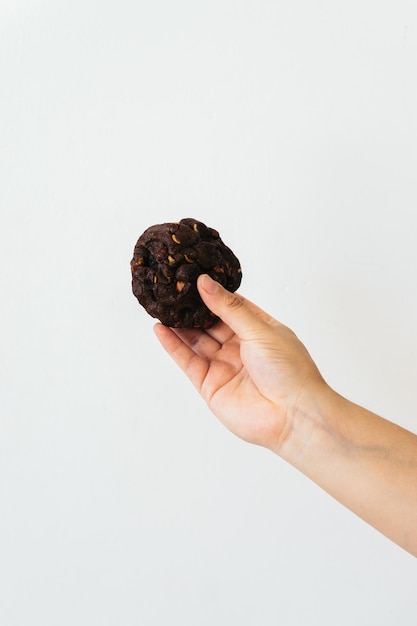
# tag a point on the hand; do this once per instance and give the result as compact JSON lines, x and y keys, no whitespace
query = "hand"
{"x":251,"y":370}
{"x":260,"y":381}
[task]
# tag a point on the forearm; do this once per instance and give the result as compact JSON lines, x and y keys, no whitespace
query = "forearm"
{"x":364,"y":461}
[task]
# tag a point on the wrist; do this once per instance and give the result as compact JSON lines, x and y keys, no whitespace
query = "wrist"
{"x":308,"y":423}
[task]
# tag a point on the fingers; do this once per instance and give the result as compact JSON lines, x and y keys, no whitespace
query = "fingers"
{"x":194,"y":365}
{"x":220,"y":332}
{"x":200,"y":342}
{"x":244,"y":318}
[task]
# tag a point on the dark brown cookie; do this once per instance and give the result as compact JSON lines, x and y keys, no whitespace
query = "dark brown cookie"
{"x":167,"y":260}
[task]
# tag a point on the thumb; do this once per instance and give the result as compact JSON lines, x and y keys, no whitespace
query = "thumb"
{"x":230,"y":307}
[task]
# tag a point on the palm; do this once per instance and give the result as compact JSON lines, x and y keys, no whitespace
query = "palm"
{"x":223,"y":369}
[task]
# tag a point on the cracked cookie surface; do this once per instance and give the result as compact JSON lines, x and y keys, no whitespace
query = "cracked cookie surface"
{"x":167,"y":260}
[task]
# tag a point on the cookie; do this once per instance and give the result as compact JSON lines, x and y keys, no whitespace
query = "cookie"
{"x":167,"y":260}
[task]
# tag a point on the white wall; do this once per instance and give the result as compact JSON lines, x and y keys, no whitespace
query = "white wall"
{"x":290,"y":127}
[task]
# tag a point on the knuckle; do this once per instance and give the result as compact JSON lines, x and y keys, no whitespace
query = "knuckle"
{"x":233,"y":301}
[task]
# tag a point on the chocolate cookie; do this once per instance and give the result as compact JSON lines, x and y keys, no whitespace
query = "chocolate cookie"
{"x":167,"y":260}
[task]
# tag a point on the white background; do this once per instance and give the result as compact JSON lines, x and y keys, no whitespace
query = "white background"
{"x":291,"y":127}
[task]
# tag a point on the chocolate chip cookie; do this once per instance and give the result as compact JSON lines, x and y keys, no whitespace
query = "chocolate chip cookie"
{"x":167,"y":260}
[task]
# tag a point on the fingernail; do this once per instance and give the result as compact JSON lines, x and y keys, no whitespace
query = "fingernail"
{"x":209,"y":285}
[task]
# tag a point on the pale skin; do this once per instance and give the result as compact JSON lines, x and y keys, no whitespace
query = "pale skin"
{"x":262,"y":384}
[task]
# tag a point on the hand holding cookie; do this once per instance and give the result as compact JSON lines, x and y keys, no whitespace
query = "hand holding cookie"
{"x":260,"y":381}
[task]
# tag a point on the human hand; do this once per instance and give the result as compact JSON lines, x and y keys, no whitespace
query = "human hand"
{"x":251,"y":370}
{"x":260,"y":381}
